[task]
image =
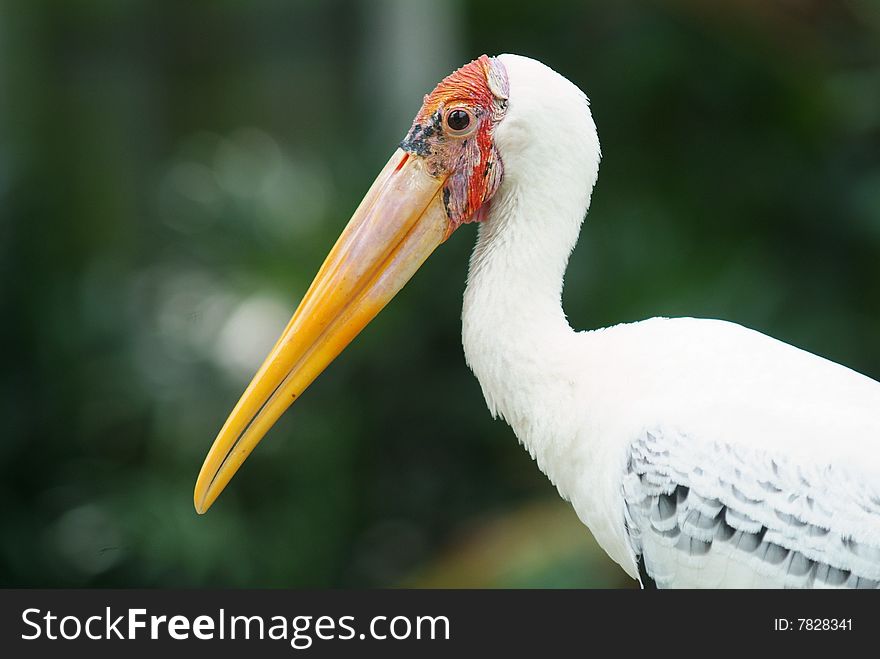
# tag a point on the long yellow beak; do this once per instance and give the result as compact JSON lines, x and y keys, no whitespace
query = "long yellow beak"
{"x":396,"y":227}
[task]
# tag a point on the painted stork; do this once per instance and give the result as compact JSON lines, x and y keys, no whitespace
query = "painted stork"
{"x":698,"y":452}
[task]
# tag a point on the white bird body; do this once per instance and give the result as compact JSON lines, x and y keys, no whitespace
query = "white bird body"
{"x":778,"y":450}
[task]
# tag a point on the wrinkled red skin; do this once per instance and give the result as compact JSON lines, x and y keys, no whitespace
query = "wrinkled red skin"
{"x":471,"y":162}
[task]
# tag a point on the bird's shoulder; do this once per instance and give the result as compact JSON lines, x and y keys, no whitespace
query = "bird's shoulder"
{"x":725,"y":382}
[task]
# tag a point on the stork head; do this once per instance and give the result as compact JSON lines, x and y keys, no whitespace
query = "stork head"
{"x":444,"y":174}
{"x":453,"y":132}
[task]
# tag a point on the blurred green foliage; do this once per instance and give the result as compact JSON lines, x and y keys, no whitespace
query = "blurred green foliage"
{"x":172,"y":174}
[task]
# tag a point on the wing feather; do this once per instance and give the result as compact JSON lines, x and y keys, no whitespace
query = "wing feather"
{"x":714,"y":515}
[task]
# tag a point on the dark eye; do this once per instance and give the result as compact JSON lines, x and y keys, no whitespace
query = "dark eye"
{"x":458,"y":120}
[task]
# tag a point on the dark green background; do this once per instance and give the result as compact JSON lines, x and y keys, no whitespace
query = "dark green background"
{"x":172,"y":174}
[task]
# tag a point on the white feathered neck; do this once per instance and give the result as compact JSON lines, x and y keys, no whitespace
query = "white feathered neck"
{"x":514,"y":330}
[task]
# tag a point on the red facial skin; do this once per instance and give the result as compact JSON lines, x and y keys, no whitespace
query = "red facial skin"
{"x":468,"y":157}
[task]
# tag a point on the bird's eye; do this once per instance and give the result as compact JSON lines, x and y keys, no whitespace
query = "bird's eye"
{"x":459,"y":120}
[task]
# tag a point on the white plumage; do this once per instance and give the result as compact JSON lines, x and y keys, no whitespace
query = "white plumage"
{"x":713,"y":455}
